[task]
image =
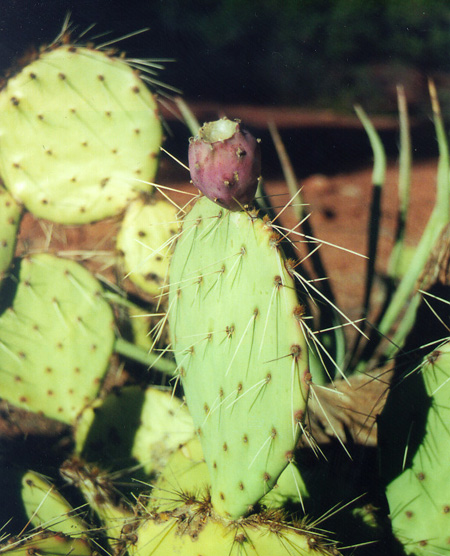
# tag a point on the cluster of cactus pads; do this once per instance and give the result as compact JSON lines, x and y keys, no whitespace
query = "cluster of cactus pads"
{"x":221,"y":461}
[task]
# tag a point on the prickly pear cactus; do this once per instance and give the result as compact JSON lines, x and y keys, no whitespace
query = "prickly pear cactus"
{"x":190,"y":530}
{"x":46,"y":507}
{"x":79,"y":131}
{"x":237,"y":335}
{"x":56,"y":337}
{"x":185,"y":474}
{"x":144,"y":240}
{"x":418,"y":489}
{"x":165,"y":424}
{"x":10,"y":212}
{"x":153,"y":424}
{"x":46,"y":543}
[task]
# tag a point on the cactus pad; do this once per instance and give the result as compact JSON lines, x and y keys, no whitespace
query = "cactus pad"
{"x":55,"y":338}
{"x":46,"y":543}
{"x":419,"y":496}
{"x":10,"y":212}
{"x":186,"y":473}
{"x":192,"y":531}
{"x":153,"y":424}
{"x":78,"y":129}
{"x":236,"y":326}
{"x":165,"y":425}
{"x":46,"y":507}
{"x":144,"y":240}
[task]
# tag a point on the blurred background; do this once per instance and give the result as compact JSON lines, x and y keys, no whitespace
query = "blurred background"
{"x":315,"y":53}
{"x":302,"y":63}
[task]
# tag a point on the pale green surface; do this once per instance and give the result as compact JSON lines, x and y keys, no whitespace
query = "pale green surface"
{"x":146,"y":425}
{"x":46,"y":507}
{"x":73,"y":145}
{"x":186,"y":473}
{"x":56,"y":338}
{"x":233,"y":328}
{"x":204,"y":536}
{"x":165,"y":425}
{"x":419,"y":498}
{"x":48,"y":544}
{"x":144,"y":239}
{"x":10,"y":212}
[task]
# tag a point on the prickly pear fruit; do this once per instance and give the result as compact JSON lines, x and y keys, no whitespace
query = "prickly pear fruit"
{"x":46,"y":507}
{"x":239,"y":344}
{"x":56,"y":337}
{"x":79,"y":134}
{"x":225,"y":163}
{"x":10,"y":212}
{"x":46,"y":543}
{"x":144,"y":240}
{"x":414,"y":455}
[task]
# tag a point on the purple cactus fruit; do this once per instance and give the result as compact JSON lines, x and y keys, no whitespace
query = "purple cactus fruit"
{"x":225,"y":163}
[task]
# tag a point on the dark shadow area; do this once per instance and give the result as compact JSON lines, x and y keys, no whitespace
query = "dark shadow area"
{"x":320,"y":53}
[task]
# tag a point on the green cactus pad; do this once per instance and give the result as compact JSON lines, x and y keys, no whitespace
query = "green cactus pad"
{"x":78,"y":130}
{"x":55,"y":338}
{"x":237,"y":334}
{"x":46,"y":543}
{"x":144,"y":240}
{"x":153,"y":424}
{"x":46,"y":507}
{"x":191,"y":530}
{"x":165,"y":424}
{"x":419,"y":496}
{"x":186,"y":474}
{"x":10,"y":212}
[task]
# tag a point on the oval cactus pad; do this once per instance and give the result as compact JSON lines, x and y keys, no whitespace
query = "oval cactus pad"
{"x":241,"y":352}
{"x":78,"y":129}
{"x":144,"y":239}
{"x":55,"y":339}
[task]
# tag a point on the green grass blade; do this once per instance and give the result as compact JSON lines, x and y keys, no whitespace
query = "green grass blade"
{"x":439,"y":217}
{"x":404,"y":183}
{"x":378,"y":179}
